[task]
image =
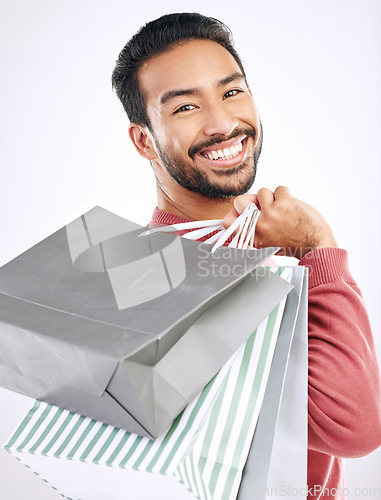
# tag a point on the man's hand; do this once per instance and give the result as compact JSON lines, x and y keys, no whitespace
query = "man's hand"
{"x":284,"y":222}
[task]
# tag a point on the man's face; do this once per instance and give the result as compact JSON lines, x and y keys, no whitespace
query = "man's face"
{"x":204,"y":124}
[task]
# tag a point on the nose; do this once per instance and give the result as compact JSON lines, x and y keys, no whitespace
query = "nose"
{"x":219,"y":120}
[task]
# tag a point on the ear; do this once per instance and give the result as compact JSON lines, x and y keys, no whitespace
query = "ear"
{"x":250,"y":92}
{"x":142,"y":140}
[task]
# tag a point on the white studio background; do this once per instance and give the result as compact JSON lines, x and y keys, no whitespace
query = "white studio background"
{"x":315,"y":72}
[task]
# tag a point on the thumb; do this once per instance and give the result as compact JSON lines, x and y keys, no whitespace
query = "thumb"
{"x":241,"y":202}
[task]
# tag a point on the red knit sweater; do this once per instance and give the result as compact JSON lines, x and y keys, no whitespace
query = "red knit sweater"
{"x":344,"y":404}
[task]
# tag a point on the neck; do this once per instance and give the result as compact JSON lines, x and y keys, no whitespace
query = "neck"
{"x":193,"y":206}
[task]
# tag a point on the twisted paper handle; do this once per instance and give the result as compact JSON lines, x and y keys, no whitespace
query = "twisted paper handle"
{"x":244,"y":238}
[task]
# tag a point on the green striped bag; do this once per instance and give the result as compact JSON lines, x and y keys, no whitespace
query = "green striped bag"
{"x":201,"y":455}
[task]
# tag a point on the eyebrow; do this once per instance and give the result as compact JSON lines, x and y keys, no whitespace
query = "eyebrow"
{"x":171,"y":94}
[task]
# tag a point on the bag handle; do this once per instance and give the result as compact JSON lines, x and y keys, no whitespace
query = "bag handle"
{"x":244,"y":237}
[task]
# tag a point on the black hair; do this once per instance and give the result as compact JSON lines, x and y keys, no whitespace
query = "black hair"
{"x":155,"y":38}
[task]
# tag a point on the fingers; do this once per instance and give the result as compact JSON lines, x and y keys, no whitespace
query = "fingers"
{"x":230,"y":218}
{"x":241,"y":202}
{"x":265,"y":198}
{"x":282,"y":192}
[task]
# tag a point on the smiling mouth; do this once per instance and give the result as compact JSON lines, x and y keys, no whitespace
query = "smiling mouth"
{"x":219,"y":153}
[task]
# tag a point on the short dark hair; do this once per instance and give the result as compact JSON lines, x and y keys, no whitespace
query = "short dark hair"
{"x":155,"y":38}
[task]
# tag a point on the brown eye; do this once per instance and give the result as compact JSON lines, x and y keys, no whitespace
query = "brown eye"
{"x":186,"y":107}
{"x":231,"y":93}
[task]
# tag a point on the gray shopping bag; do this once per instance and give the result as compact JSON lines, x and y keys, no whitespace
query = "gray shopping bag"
{"x":110,"y":324}
{"x":277,"y":461}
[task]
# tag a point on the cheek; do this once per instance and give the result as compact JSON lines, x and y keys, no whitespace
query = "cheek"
{"x":249,"y":114}
{"x":169,"y":135}
{"x":176,"y":140}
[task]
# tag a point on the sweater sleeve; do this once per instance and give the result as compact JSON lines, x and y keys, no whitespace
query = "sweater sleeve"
{"x":343,"y":376}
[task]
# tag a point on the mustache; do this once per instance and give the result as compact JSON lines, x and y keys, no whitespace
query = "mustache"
{"x":193,"y":150}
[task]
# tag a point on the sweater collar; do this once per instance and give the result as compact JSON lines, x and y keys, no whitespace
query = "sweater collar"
{"x":162,"y":218}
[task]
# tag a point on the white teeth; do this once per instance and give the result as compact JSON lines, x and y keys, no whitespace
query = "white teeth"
{"x":225,"y":154}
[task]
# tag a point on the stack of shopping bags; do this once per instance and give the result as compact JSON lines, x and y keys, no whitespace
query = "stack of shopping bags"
{"x":158,"y":367}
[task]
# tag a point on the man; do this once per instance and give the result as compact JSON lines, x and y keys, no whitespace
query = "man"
{"x":193,"y":117}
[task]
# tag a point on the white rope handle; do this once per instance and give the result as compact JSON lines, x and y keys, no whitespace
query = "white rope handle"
{"x":244,"y":225}
{"x":241,"y":223}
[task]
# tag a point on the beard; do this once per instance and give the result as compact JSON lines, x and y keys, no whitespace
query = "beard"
{"x":235,"y":180}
